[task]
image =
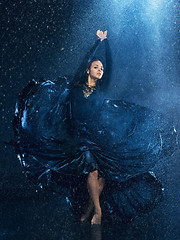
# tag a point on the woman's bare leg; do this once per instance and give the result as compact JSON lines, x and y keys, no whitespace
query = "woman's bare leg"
{"x":88,"y":211}
{"x":95,"y":187}
{"x":101,"y":185}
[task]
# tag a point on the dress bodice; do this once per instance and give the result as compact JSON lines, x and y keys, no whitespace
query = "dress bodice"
{"x":85,"y":111}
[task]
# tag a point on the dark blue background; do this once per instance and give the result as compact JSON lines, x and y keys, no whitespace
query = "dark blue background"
{"x":50,"y":38}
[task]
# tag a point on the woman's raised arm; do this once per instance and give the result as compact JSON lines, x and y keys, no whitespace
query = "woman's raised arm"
{"x":88,"y":57}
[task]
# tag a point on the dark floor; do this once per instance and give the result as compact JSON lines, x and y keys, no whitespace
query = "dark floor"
{"x":29,"y":213}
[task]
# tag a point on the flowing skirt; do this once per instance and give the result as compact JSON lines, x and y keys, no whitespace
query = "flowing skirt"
{"x":124,"y":141}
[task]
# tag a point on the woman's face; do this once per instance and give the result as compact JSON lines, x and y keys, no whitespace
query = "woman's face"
{"x":96,"y":70}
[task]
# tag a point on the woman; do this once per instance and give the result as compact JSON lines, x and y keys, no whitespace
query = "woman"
{"x":80,"y":95}
{"x":94,"y":183}
{"x":70,"y":132}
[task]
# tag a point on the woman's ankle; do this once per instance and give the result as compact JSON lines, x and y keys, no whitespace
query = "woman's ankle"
{"x":98,"y":211}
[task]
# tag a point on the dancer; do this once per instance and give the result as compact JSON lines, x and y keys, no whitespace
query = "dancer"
{"x":70,"y":132}
{"x":84,"y":89}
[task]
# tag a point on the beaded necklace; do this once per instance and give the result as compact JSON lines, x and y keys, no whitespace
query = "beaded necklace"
{"x":88,"y":90}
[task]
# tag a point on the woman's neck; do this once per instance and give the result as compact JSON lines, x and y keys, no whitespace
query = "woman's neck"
{"x":91,"y":82}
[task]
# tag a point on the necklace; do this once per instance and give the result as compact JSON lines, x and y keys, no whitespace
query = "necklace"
{"x":88,"y":90}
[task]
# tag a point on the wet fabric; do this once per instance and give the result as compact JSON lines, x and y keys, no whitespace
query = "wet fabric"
{"x":120,"y":201}
{"x":124,"y":138}
{"x":62,"y":136}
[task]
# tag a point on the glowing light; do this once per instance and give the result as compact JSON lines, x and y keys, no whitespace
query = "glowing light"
{"x":24,"y":119}
{"x":155,"y":3}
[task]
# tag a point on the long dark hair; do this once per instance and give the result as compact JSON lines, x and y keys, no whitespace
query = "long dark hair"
{"x":84,"y":77}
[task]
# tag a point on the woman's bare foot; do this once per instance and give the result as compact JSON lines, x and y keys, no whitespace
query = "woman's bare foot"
{"x":85,"y":216}
{"x":87,"y":213}
{"x":96,"y":218}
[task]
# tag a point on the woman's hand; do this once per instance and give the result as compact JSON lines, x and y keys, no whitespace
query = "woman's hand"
{"x":102,"y":35}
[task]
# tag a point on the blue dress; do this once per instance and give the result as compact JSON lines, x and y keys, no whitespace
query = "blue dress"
{"x":61,"y":136}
